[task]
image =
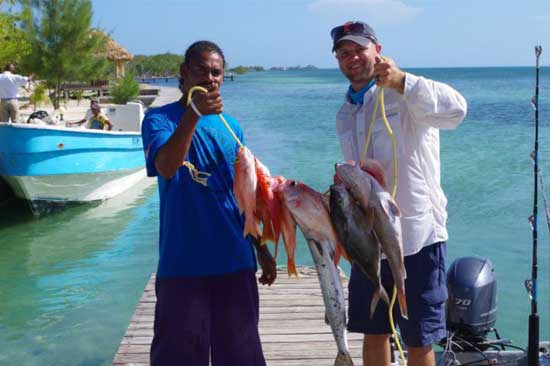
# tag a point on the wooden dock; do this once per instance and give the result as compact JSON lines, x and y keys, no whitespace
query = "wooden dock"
{"x":292,"y":327}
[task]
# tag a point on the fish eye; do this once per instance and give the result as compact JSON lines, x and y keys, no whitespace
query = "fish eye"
{"x":293,"y":183}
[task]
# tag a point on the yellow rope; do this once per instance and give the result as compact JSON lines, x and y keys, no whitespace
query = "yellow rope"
{"x":200,"y":88}
{"x":380,"y":103}
{"x":197,"y":175}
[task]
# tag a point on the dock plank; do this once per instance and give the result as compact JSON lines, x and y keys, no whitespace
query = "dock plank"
{"x":292,"y":326}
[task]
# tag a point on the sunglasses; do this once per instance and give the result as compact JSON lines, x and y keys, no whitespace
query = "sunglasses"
{"x":353,"y":28}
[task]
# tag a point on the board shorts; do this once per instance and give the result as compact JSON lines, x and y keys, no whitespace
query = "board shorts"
{"x":425,"y":290}
{"x":212,"y":316}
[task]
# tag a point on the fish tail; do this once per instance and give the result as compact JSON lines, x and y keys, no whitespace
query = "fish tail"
{"x":402,"y":303}
{"x":384,"y":295}
{"x":291,"y":267}
{"x":373,"y":303}
{"x":343,"y":359}
{"x":380,"y":294}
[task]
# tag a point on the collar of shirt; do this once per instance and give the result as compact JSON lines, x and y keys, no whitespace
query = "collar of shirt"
{"x":356,"y":97}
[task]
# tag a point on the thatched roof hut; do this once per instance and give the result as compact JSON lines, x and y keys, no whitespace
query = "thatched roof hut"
{"x":119,"y":55}
{"x":116,"y":53}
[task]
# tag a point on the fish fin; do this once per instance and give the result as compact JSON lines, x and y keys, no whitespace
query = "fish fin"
{"x":339,"y":252}
{"x":267,"y":232}
{"x":343,"y":359}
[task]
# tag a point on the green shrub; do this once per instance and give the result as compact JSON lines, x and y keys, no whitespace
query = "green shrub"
{"x":39,"y":96}
{"x":125,"y":89}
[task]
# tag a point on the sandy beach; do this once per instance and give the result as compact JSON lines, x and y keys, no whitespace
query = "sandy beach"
{"x":76,"y":110}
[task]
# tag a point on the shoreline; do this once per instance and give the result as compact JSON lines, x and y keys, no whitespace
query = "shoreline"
{"x":76,"y":110}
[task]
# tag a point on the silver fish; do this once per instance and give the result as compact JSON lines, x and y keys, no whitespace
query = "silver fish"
{"x":311,"y":215}
{"x":354,"y":228}
{"x":387,"y":225}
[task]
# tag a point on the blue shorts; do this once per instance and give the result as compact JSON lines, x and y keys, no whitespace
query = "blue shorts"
{"x":425,"y":290}
{"x":199,"y":317}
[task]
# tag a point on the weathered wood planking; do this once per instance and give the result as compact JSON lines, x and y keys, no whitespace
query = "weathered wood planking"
{"x":292,"y":326}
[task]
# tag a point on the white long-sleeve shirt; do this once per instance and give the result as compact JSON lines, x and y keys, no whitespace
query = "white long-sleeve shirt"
{"x":10,"y":83}
{"x":415,"y":119}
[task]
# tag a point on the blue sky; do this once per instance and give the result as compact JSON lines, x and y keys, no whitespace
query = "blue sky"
{"x":415,"y":33}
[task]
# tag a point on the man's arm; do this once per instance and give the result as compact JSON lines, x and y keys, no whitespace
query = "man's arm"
{"x":267,"y":263}
{"x":429,"y":102}
{"x":109,"y":125}
{"x":76,"y":122}
{"x":433,"y":103}
{"x":173,"y":153}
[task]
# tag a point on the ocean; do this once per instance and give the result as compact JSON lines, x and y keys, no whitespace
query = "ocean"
{"x":70,"y":281}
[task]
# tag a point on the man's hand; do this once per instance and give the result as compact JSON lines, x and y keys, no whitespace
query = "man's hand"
{"x":388,"y":75}
{"x":267,"y":263}
{"x":208,"y":103}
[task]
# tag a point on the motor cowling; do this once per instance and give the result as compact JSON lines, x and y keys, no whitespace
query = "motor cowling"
{"x":471,"y":308}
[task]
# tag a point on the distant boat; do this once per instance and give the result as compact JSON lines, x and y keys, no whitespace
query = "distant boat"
{"x":52,"y":165}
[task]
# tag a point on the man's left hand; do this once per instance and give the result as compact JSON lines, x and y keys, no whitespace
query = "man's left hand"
{"x":388,"y":75}
{"x":267,"y":263}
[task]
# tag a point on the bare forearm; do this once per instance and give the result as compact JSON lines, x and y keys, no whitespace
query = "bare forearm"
{"x":172,"y":154}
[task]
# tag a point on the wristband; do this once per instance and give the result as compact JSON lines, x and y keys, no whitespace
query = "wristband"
{"x":195,"y":109}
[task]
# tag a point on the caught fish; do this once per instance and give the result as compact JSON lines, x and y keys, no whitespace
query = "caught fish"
{"x":366,"y":190}
{"x":354,"y":228}
{"x":271,"y":207}
{"x":244,"y":188}
{"x":288,"y":225}
{"x":311,"y":215}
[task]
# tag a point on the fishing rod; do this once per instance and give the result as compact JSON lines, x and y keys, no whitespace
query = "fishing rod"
{"x":533,"y":342}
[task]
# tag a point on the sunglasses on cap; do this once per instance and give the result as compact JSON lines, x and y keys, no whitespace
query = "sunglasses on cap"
{"x":353,"y":29}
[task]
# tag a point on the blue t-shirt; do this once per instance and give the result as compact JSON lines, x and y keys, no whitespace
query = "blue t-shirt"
{"x":201,"y":230}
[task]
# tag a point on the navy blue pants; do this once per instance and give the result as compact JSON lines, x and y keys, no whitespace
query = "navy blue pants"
{"x":426,"y":292}
{"x":199,"y":317}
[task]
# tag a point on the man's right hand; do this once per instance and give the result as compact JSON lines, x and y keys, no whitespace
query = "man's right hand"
{"x":208,"y":103}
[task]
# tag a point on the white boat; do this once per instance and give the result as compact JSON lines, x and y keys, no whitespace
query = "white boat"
{"x":49,"y":165}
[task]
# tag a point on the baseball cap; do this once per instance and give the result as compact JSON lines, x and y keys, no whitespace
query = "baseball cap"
{"x":358,"y":32}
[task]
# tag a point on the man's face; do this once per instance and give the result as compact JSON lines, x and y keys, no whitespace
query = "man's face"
{"x":357,"y":62}
{"x":205,"y":70}
{"x":11,"y":68}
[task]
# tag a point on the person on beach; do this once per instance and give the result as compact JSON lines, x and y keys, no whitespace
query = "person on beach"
{"x":207,"y":295}
{"x":94,"y":119}
{"x":416,"y":109}
{"x":9,"y":88}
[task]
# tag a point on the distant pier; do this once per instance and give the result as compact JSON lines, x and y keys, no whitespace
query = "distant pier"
{"x":171,"y":78}
{"x":292,"y":325}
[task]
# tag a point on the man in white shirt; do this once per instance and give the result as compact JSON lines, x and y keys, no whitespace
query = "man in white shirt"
{"x":9,"y":87}
{"x":416,"y":109}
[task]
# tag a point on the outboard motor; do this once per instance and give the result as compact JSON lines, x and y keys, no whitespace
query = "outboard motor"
{"x":472,"y":304}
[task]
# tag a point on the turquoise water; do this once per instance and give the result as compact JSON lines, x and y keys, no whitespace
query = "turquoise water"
{"x":70,"y":281}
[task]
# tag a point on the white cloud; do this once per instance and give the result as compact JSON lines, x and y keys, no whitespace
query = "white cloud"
{"x":384,"y":11}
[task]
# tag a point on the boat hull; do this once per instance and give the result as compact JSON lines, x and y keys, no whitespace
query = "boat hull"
{"x":56,"y":165}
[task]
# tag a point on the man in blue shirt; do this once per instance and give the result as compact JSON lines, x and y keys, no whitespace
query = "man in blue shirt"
{"x":207,"y":296}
